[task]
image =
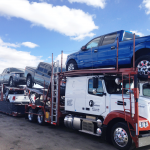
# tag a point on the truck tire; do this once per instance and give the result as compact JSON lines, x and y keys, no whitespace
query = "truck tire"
{"x":143,"y":65}
{"x":71,"y":65}
{"x":29,"y":82}
{"x":11,"y":82}
{"x":31,"y":117}
{"x":40,"y":118}
{"x":120,"y":136}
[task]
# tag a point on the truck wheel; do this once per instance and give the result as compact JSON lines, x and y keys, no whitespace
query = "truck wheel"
{"x":71,"y":65}
{"x":40,"y":118}
{"x":11,"y":82}
{"x":29,"y":82}
{"x":143,"y":65}
{"x":120,"y":136}
{"x":31,"y":117}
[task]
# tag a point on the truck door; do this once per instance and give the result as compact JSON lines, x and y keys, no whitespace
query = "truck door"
{"x":88,"y":57}
{"x":108,"y":51}
{"x":39,"y":75}
{"x":95,"y":103}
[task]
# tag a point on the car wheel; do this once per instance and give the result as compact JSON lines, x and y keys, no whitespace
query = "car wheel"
{"x":31,"y":116}
{"x":11,"y":82}
{"x":40,"y":117}
{"x":143,"y":65}
{"x":29,"y":82}
{"x":120,"y":136}
{"x":71,"y":65}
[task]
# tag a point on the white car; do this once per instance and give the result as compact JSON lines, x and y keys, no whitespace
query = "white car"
{"x":16,"y":95}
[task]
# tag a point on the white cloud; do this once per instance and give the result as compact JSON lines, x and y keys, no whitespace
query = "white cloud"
{"x":146,"y":5}
{"x":94,"y":3}
{"x":64,"y":60}
{"x":29,"y":44}
{"x":13,"y":58}
{"x":137,"y":33}
{"x":70,"y":22}
{"x":81,"y":37}
{"x":8,"y":44}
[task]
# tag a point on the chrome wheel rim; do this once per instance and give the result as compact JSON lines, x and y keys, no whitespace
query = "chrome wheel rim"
{"x":28,"y":82}
{"x":40,"y":118}
{"x":144,"y":67}
{"x":121,"y":137}
{"x":70,"y":67}
{"x":30,"y":115}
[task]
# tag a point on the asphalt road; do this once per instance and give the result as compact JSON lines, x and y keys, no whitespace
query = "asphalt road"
{"x":16,"y":133}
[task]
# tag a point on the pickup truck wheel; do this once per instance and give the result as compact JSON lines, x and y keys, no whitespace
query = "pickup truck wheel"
{"x":40,"y":117}
{"x":71,"y":65}
{"x":120,"y":136}
{"x":29,"y":82}
{"x":143,"y":65}
{"x":31,"y":116}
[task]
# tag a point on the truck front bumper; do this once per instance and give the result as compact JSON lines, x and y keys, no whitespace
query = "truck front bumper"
{"x":144,"y":140}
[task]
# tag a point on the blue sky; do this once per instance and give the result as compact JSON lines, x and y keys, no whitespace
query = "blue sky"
{"x":31,"y":30}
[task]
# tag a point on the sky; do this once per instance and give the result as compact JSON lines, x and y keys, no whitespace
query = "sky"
{"x":31,"y":30}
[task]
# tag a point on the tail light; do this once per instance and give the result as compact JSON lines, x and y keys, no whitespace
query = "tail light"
{"x":14,"y":98}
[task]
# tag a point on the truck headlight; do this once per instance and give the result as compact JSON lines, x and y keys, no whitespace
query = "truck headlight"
{"x":143,"y":124}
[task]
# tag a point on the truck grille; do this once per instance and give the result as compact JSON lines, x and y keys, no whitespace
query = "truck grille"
{"x":22,"y":75}
{"x":88,"y":126}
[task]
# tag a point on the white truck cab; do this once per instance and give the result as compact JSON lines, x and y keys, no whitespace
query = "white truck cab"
{"x":94,"y":109}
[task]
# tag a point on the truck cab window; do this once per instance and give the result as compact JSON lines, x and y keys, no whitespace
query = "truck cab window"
{"x":93,"y":43}
{"x":146,"y":89}
{"x":109,"y":39}
{"x":99,"y":89}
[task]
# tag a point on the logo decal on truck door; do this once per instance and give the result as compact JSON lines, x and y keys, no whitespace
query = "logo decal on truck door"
{"x":91,"y":103}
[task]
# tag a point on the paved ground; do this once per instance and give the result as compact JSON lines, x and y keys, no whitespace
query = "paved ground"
{"x":19,"y":134}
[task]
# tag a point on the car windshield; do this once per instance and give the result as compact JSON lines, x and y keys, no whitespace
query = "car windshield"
{"x":16,"y":70}
{"x":129,"y":36}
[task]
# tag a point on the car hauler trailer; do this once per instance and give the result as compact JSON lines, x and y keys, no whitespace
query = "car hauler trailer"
{"x":98,"y":102}
{"x":13,"y":100}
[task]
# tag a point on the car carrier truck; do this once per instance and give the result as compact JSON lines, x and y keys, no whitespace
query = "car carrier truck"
{"x":100,"y":102}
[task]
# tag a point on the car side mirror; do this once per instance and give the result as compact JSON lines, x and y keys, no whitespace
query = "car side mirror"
{"x":83,"y":48}
{"x":49,"y":73}
{"x":8,"y":72}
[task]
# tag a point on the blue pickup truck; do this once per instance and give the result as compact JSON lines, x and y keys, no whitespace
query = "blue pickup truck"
{"x":102,"y":52}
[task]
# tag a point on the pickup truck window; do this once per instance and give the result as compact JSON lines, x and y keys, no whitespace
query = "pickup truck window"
{"x":15,"y":70}
{"x":109,"y":39}
{"x":93,"y":43}
{"x":129,"y":36}
{"x":146,"y":89}
{"x":99,"y":89}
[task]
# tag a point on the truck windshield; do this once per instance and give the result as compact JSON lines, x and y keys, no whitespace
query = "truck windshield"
{"x":129,"y":36}
{"x":113,"y":88}
{"x":16,"y":70}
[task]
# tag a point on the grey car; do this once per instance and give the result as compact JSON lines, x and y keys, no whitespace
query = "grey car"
{"x":13,"y":77}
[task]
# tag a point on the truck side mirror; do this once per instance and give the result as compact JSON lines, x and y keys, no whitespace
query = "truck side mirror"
{"x":95,"y":82}
{"x":83,"y":48}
